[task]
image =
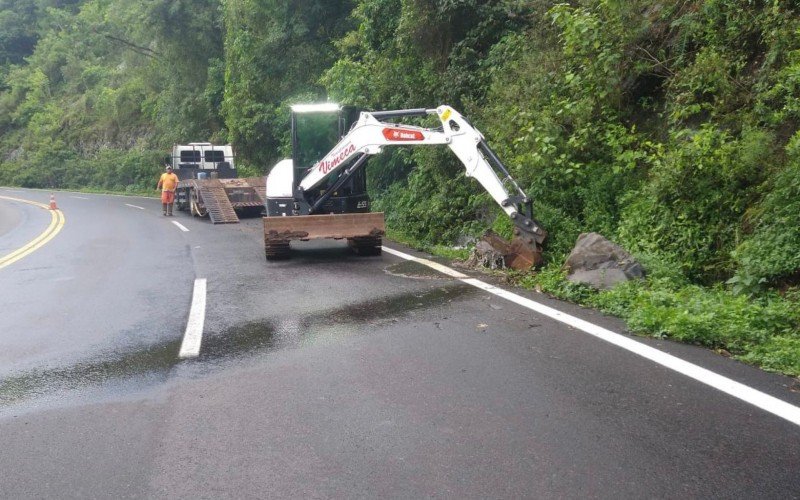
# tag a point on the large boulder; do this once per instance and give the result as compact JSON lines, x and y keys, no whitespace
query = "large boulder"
{"x":599,"y":263}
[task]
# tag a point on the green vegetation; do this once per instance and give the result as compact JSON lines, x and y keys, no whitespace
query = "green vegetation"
{"x":670,"y":127}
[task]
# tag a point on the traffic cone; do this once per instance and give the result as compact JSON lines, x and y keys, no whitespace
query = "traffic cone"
{"x":53,"y":202}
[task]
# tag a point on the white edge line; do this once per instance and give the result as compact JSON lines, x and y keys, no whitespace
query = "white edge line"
{"x":193,"y":337}
{"x":79,"y":197}
{"x":433,"y":265}
{"x":181,"y":226}
{"x":134,"y":206}
{"x":738,"y":390}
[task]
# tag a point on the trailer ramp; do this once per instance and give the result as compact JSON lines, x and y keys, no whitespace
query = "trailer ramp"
{"x":213,"y":196}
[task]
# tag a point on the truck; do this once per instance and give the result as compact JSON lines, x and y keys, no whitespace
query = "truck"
{"x":209,"y":185}
{"x":321,"y":191}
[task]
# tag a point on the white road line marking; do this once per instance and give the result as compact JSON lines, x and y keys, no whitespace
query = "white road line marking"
{"x":433,"y":265}
{"x":193,"y":337}
{"x":134,"y":206}
{"x":181,"y":226}
{"x":79,"y":197}
{"x":745,"y":393}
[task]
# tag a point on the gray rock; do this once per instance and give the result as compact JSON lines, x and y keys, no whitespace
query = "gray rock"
{"x":485,"y":255}
{"x":599,"y":263}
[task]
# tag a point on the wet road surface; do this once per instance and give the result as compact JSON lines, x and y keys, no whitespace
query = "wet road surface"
{"x":333,"y":375}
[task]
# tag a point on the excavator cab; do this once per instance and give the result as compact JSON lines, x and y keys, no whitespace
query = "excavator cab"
{"x":316,"y":129}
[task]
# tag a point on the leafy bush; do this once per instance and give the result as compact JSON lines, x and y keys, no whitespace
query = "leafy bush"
{"x":436,"y":204}
{"x":109,"y":170}
{"x":690,"y":210}
{"x":772,"y":253}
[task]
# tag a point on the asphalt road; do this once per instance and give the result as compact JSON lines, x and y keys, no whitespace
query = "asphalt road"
{"x":336,"y":376}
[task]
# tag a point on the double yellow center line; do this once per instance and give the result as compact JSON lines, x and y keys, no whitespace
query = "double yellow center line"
{"x":56,"y":223}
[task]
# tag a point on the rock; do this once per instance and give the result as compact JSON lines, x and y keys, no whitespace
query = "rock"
{"x":486,"y":255}
{"x":465,"y":240}
{"x":599,"y":263}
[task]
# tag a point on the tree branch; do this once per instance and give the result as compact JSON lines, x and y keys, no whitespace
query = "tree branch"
{"x":656,"y":61}
{"x":136,"y":48}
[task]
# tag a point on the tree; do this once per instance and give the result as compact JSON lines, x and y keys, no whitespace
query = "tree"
{"x":275,"y":53}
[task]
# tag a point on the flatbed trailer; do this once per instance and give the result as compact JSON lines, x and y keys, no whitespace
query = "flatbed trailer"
{"x":209,"y":185}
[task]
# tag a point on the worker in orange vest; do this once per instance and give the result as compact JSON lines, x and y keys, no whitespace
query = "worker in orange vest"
{"x":168,"y":183}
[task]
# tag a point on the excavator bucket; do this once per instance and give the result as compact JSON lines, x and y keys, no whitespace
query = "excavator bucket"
{"x":519,"y":254}
{"x":362,"y":230}
{"x":523,"y":256}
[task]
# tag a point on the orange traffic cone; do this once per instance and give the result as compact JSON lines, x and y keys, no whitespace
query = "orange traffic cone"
{"x":53,"y":202}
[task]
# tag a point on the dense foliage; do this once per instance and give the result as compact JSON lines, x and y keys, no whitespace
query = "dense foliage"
{"x":670,"y":127}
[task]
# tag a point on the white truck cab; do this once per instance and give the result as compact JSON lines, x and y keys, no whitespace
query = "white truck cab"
{"x":200,"y":160}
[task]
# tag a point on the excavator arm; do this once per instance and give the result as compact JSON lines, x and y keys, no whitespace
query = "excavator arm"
{"x":369,"y":135}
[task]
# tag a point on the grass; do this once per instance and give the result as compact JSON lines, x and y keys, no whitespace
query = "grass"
{"x":451,"y":253}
